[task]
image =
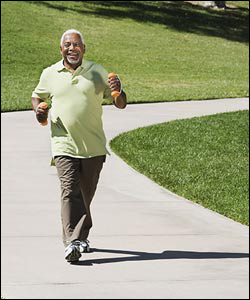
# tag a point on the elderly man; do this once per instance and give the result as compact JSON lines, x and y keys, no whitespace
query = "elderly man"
{"x":76,"y":88}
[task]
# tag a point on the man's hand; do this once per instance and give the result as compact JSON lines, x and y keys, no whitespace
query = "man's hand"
{"x":120,"y":99}
{"x":114,"y":84}
{"x":42,"y":113}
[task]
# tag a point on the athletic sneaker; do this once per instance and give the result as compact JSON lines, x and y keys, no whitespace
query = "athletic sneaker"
{"x":72,"y":253}
{"x":83,"y":246}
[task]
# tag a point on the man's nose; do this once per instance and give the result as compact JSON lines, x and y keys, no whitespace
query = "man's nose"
{"x":72,"y":46}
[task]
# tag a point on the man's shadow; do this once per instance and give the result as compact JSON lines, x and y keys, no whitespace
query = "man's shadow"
{"x":138,"y":256}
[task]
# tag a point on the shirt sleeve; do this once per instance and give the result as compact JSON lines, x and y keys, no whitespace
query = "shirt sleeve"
{"x":42,"y":89}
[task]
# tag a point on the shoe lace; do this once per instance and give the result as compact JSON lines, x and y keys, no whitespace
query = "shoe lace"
{"x":82,"y":245}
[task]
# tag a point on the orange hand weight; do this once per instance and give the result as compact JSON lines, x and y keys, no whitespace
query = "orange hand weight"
{"x":113,"y":93}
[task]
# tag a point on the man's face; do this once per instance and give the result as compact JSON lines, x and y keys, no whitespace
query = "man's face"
{"x":72,"y":49}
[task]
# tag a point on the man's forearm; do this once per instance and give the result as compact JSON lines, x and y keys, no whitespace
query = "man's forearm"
{"x":121,"y":101}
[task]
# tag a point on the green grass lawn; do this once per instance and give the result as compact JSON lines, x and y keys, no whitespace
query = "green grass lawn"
{"x":204,"y":159}
{"x":162,"y":50}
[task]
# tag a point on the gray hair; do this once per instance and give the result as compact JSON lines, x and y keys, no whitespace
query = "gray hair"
{"x":72,"y":31}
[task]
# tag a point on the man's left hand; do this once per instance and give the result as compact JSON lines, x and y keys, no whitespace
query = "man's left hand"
{"x":114,"y":83}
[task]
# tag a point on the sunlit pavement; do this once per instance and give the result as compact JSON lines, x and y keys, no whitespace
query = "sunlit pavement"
{"x":147,"y":242}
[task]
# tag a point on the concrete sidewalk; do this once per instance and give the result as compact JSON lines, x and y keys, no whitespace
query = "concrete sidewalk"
{"x":148,"y":243}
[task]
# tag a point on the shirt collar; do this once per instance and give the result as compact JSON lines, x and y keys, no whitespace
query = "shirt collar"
{"x":60,"y":66}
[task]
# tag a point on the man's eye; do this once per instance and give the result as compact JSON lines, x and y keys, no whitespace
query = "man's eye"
{"x":67,"y":45}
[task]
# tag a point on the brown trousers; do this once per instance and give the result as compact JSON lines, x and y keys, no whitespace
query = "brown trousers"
{"x":78,"y":178}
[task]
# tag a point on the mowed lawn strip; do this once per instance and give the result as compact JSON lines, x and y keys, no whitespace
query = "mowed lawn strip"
{"x":162,"y":50}
{"x":204,"y":159}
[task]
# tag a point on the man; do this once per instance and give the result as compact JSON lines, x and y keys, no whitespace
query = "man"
{"x":76,"y":88}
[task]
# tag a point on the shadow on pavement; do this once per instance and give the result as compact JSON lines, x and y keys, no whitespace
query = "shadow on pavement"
{"x":138,"y":256}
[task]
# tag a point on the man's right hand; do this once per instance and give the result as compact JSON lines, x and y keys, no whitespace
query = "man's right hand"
{"x":42,"y":114}
{"x":41,"y":109}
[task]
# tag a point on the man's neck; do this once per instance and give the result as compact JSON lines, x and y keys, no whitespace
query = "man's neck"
{"x":70,"y":67}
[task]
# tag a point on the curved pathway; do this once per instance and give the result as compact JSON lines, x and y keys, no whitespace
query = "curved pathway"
{"x":148,"y":243}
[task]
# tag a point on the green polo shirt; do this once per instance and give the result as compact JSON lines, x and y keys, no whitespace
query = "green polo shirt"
{"x":76,"y":110}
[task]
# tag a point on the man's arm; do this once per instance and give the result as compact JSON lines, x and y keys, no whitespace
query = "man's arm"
{"x":115,"y":85}
{"x":41,"y":114}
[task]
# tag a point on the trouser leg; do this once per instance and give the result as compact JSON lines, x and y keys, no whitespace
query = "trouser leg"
{"x":90,"y":173}
{"x":79,"y":178}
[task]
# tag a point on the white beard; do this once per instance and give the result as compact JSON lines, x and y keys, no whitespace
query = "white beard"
{"x":73,"y":61}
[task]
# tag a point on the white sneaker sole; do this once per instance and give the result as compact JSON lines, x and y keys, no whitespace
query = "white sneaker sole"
{"x":72,"y":254}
